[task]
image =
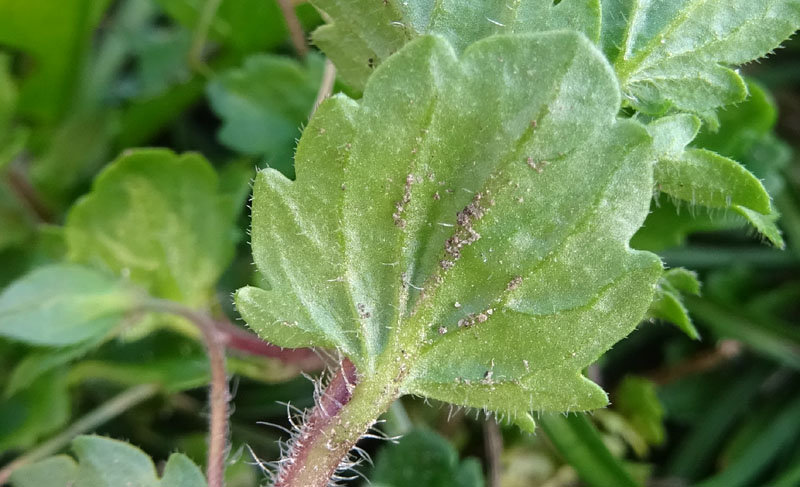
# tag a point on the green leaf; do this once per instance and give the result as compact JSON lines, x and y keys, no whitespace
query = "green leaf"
{"x":741,"y":125}
{"x":180,"y":471}
{"x":680,"y":53}
{"x":40,"y":409}
{"x":159,"y":219}
{"x":103,"y":462}
{"x":636,"y":399}
{"x":701,"y":177}
{"x":59,"y":471}
{"x":365,"y":33}
{"x":264,"y":103}
{"x":63,"y":304}
{"x":667,"y":304}
{"x":422,"y":458}
{"x":457,"y":221}
{"x":41,"y":361}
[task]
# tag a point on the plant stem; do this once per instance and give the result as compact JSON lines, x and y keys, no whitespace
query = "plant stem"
{"x":28,"y":196}
{"x":343,"y":413}
{"x":493,"y":446}
{"x":219,"y":393}
{"x":200,"y":35}
{"x":326,"y":86}
{"x":241,"y":340}
{"x":106,"y":411}
{"x":295,"y":28}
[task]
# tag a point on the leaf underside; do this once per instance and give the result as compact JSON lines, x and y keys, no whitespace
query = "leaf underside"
{"x":460,"y":208}
{"x":702,"y":177}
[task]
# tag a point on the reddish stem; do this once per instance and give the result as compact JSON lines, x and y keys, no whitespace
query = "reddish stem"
{"x":28,"y":196}
{"x":241,"y":340}
{"x":333,"y":399}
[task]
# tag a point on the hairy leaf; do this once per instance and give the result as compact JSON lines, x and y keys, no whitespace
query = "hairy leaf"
{"x":457,"y":220}
{"x":679,"y":53}
{"x":365,"y":33}
{"x":63,"y":304}
{"x":667,"y":304}
{"x":159,"y":219}
{"x":264,"y":103}
{"x":424,"y":459}
{"x":103,"y":462}
{"x":702,"y":177}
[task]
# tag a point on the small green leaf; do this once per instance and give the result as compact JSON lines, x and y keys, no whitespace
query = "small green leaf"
{"x":667,"y":303}
{"x":679,"y":53}
{"x":103,"y":462}
{"x":702,"y":177}
{"x":264,"y":103}
{"x":636,"y":399}
{"x":180,"y":471}
{"x":457,"y":221}
{"x":424,"y":459}
{"x":365,"y":33}
{"x":63,"y":304}
{"x":159,"y":219}
{"x":59,"y":471}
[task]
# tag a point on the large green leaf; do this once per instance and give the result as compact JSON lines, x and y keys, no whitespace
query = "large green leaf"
{"x":365,"y":32}
{"x":702,"y":177}
{"x":264,"y":103}
{"x":469,"y":218}
{"x":679,"y":53}
{"x":103,"y":462}
{"x":63,"y":304}
{"x":159,"y":219}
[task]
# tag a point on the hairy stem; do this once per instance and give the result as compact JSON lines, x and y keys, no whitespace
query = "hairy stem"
{"x":106,"y":411}
{"x":344,"y":412}
{"x":219,"y":393}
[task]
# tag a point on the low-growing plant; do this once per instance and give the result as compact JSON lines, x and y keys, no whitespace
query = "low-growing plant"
{"x":457,"y":227}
